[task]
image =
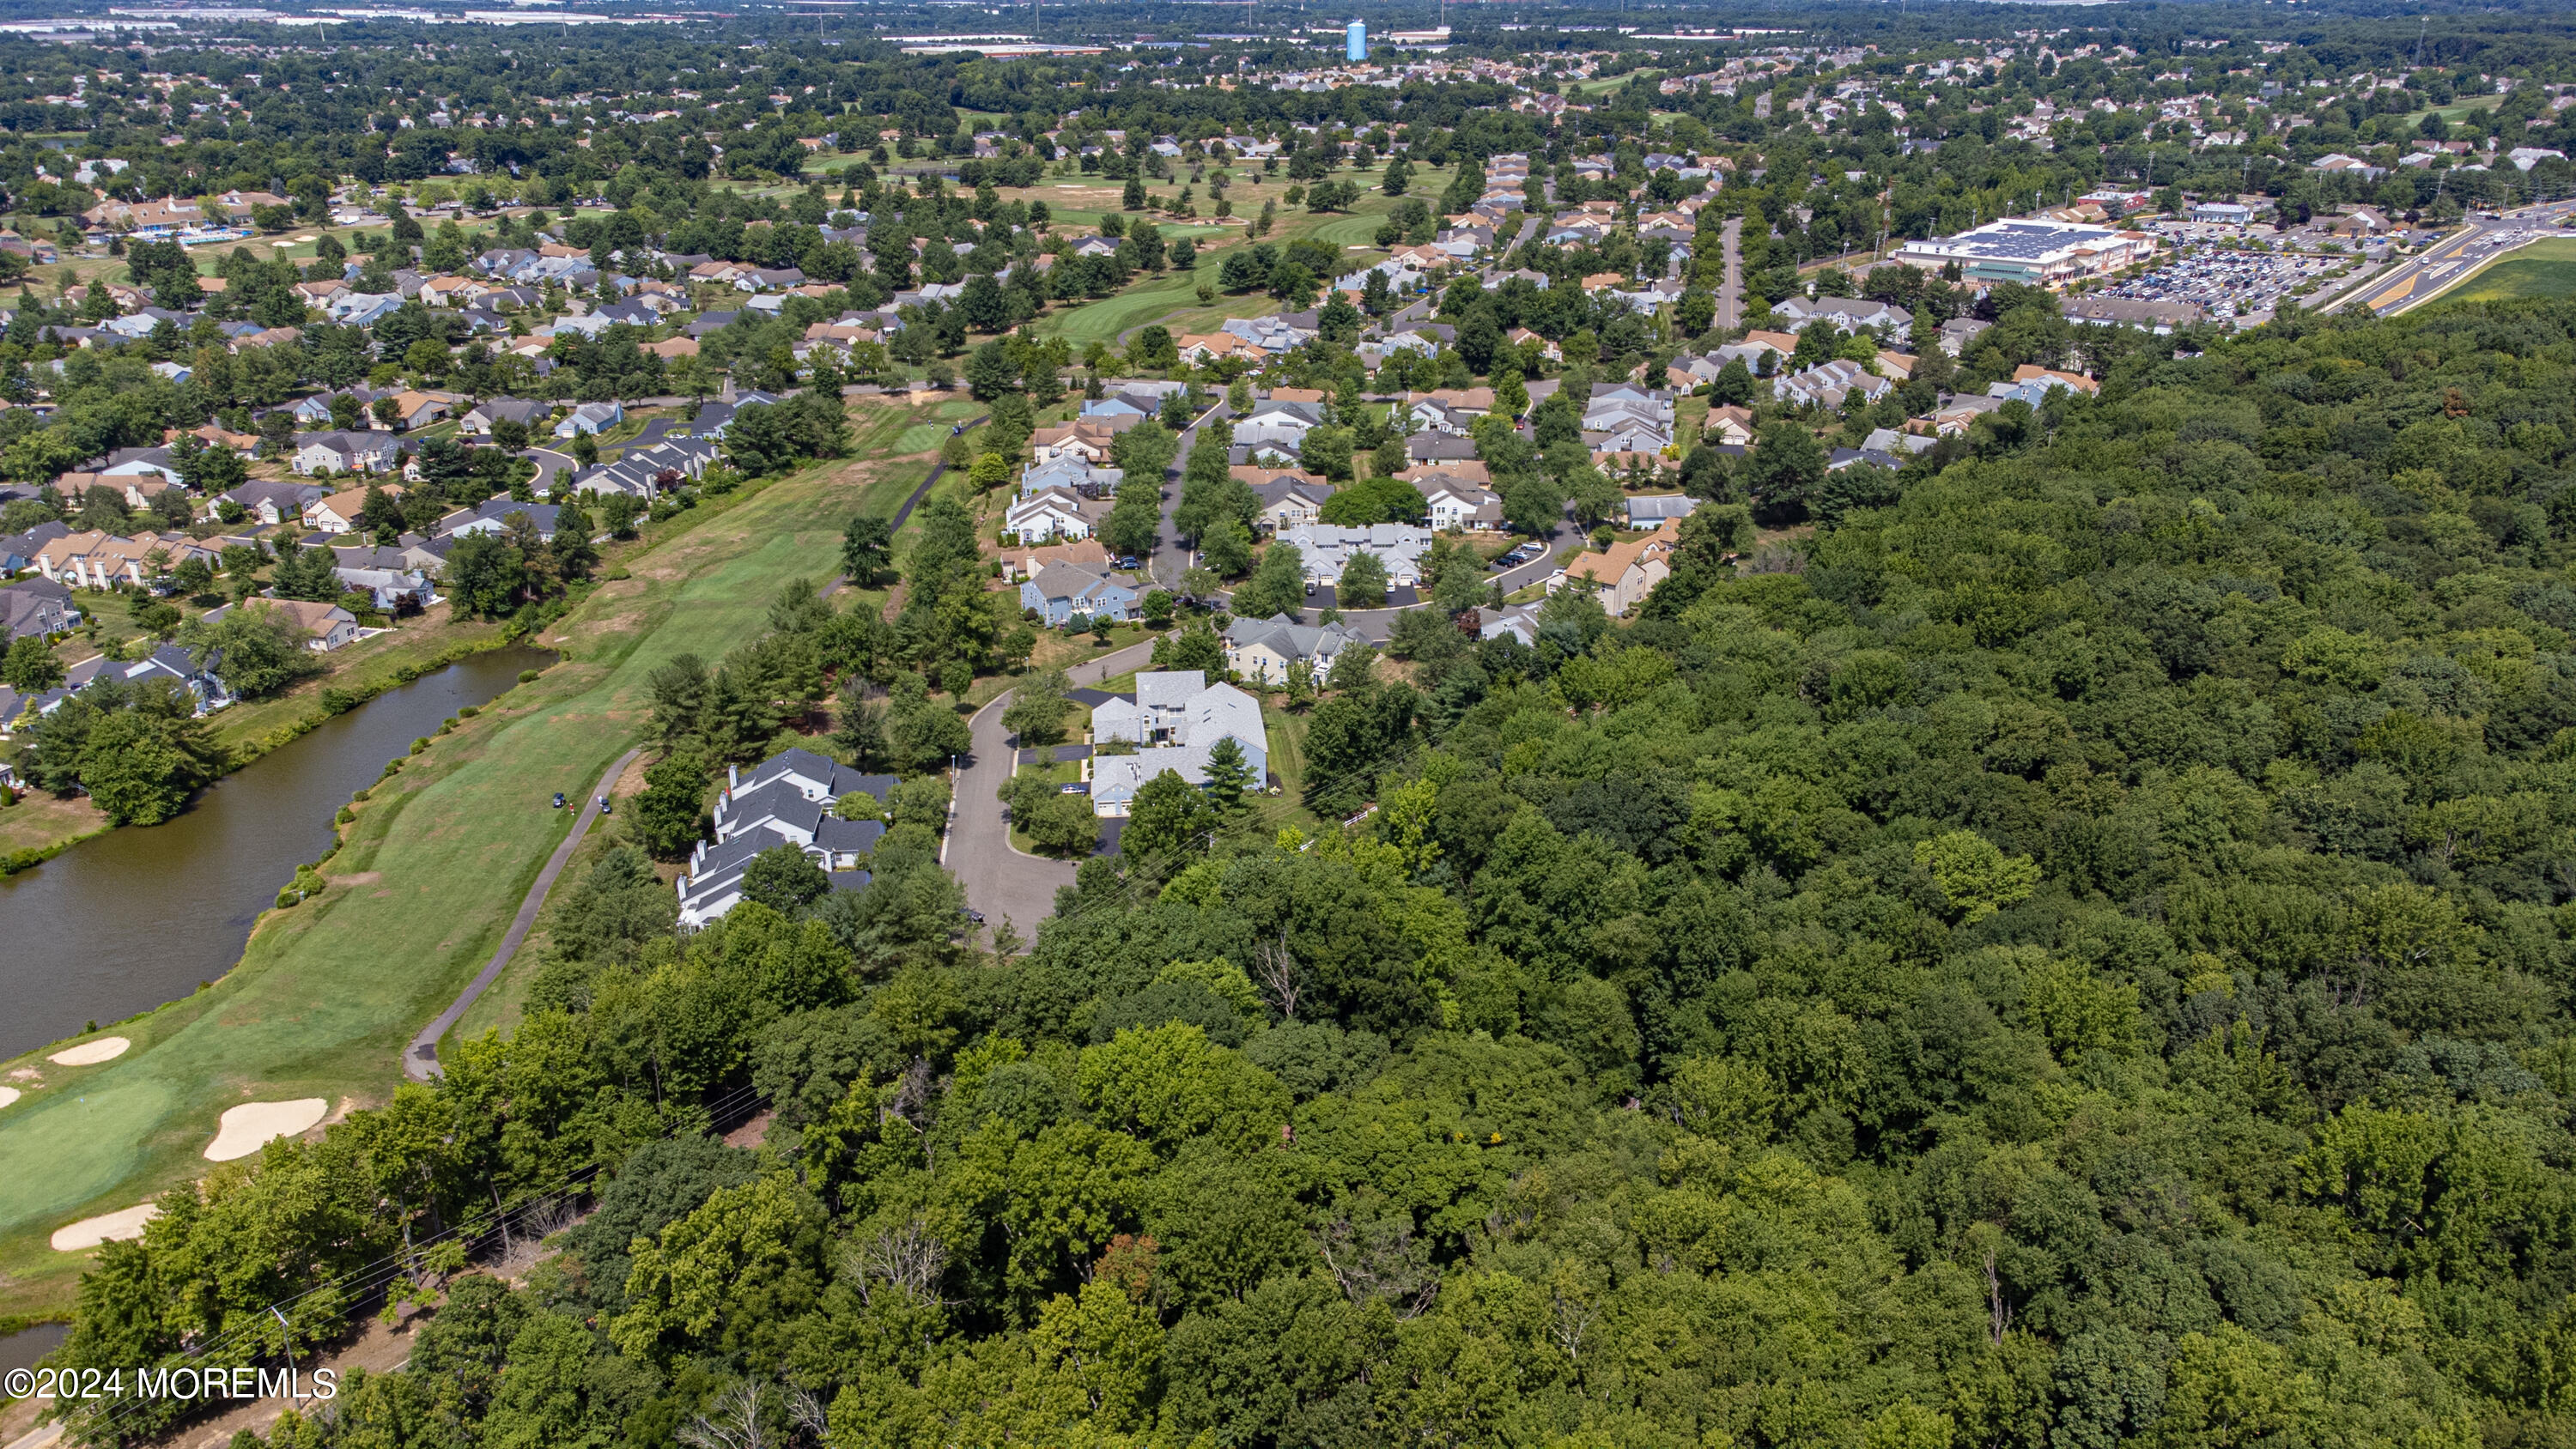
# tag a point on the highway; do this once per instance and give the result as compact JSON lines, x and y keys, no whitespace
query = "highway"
{"x":2411,"y":282}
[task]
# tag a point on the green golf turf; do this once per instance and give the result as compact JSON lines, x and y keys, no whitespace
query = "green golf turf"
{"x":328,"y":992}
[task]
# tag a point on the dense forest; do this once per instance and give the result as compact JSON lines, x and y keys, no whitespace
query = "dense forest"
{"x":2075,"y":953}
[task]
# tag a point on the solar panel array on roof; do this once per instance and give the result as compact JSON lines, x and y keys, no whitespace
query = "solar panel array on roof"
{"x":2021,"y":243}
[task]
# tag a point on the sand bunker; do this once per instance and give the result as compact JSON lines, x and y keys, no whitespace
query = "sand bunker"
{"x":91,"y":1053}
{"x":88,"y":1233}
{"x":8,"y":1095}
{"x":249,"y":1126}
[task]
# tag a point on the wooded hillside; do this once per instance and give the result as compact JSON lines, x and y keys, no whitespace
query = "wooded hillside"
{"x":2078,"y":957}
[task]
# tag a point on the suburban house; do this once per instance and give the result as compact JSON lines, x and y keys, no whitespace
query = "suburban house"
{"x":127,"y":464}
{"x":414,"y":409}
{"x":1029,"y":562}
{"x":1278,"y":424}
{"x":1828,"y":384}
{"x":330,"y":625}
{"x":273,"y":501}
{"x":1060,"y":591}
{"x":1070,"y":470}
{"x":478,"y":422}
{"x":169,"y":661}
{"x":37,"y":606}
{"x":316,"y":410}
{"x":713,"y":416}
{"x":339,"y":513}
{"x":1624,"y":573}
{"x":1518,"y":620}
{"x":18,"y":550}
{"x":788,"y":799}
{"x":339,"y":452}
{"x":95,"y":559}
{"x":142,"y":490}
{"x":648,"y":473}
{"x":1289,"y":499}
{"x":1325,"y":548}
{"x":1198,"y":349}
{"x":1851,"y":314}
{"x":1617,"y":404}
{"x":493,"y":516}
{"x":390,"y":590}
{"x":597,"y":417}
{"x":1262,"y":649}
{"x":1057,"y":513}
{"x":1176,"y":718}
{"x":1958,"y":332}
{"x":2044,"y":377}
{"x":1086,"y":438}
{"x":1463,"y":507}
{"x":1731,"y":424}
{"x":406,"y":554}
{"x":1652,"y":509}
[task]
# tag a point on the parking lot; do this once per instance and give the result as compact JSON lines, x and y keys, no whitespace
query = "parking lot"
{"x":2228,"y":284}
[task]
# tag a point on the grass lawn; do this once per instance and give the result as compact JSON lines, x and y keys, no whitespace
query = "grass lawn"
{"x":2457,"y":109}
{"x":1690,"y":415}
{"x":921,"y":437}
{"x":2542,"y":269}
{"x":1288,"y":762}
{"x":40,"y":821}
{"x":1061,"y":773}
{"x":327,"y":993}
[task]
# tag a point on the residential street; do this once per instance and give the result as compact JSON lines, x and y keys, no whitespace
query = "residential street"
{"x":1171,"y":559}
{"x":1730,"y":291}
{"x":1000,"y":881}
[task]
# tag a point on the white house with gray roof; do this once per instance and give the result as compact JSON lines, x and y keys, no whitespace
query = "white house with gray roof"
{"x":1176,"y":718}
{"x":1325,"y":548}
{"x":787,"y":799}
{"x":1263,"y":649}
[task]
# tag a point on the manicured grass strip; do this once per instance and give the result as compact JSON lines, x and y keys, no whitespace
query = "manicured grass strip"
{"x":2542,"y":269}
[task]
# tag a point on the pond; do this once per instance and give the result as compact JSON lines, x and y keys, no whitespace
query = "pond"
{"x":140,"y":916}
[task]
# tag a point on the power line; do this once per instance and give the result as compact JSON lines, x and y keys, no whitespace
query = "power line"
{"x":357,"y":1284}
{"x":364,"y":1280}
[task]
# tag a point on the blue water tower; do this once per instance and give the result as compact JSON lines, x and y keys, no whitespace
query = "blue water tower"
{"x":1355,"y":42}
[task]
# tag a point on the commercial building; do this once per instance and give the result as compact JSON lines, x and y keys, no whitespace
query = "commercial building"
{"x":2032,"y":252}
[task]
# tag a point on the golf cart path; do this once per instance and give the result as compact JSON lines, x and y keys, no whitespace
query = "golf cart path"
{"x":420,"y":1059}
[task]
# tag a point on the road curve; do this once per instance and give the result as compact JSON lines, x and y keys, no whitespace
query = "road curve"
{"x":420,"y":1059}
{"x":1003,"y":883}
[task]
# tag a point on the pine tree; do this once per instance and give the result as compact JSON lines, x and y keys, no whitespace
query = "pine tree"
{"x":1229,"y":774}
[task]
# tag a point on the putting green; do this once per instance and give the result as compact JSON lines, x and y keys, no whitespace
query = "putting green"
{"x":961,"y":408}
{"x":920,"y":438}
{"x":73,"y":1145}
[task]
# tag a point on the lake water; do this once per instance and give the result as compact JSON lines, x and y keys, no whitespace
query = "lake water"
{"x":22,"y":1349}
{"x":139,"y":916}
